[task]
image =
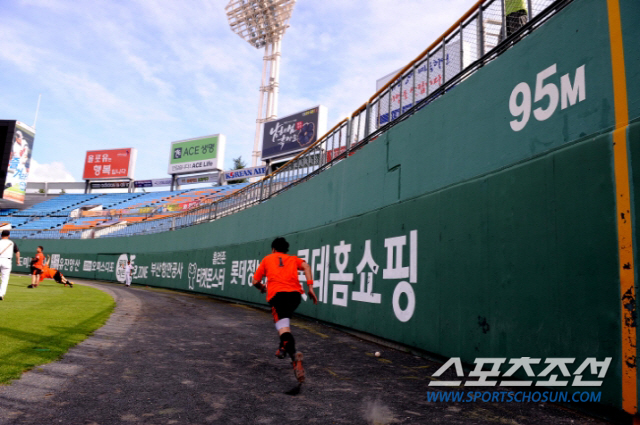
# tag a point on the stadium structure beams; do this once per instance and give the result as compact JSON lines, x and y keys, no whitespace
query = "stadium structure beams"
{"x":262,"y":23}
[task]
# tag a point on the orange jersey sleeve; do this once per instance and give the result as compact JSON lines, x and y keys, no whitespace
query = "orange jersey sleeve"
{"x":260,"y":273}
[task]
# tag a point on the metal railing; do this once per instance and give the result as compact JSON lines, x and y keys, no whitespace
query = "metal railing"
{"x":479,"y":36}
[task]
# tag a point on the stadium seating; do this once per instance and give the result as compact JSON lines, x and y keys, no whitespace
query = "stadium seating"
{"x":57,"y":204}
{"x":114,"y":200}
{"x":84,"y":223}
{"x":44,"y":223}
{"x":15,"y":221}
{"x":21,"y":234}
{"x":144,"y":227}
{"x":51,"y":219}
{"x":66,"y":211}
{"x":148,"y":199}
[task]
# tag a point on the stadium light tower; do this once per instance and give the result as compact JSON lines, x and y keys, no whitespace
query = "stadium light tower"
{"x":262,"y":23}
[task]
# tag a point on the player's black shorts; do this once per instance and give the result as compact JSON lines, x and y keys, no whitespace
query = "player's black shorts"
{"x":35,"y":270}
{"x":58,"y":277}
{"x":283,"y":304}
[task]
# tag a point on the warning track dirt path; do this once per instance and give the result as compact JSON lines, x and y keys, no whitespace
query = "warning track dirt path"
{"x":172,"y":358}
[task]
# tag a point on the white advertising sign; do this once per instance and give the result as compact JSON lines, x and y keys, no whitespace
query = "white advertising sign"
{"x":245,"y":173}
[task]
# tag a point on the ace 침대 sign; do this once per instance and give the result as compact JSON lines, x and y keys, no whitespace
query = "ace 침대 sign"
{"x":196,"y":155}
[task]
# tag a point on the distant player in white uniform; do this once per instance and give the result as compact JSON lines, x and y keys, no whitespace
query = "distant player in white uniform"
{"x":7,"y":249}
{"x":128,"y":270}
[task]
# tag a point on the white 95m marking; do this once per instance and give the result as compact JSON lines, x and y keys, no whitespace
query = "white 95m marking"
{"x":546,"y":96}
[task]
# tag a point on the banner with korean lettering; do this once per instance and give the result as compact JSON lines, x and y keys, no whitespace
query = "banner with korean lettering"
{"x":188,"y":205}
{"x":196,"y":155}
{"x":152,"y":183}
{"x":110,"y":164}
{"x":294,"y":133}
{"x":111,"y":185}
{"x":19,"y":161}
{"x":205,"y":178}
{"x":417,"y":85}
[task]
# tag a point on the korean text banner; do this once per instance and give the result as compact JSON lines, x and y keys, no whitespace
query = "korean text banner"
{"x":110,"y":164}
{"x":294,"y":133}
{"x":15,"y":184}
{"x":110,"y":185}
{"x":197,"y":155}
{"x":152,"y":183}
{"x":205,"y":178}
{"x":415,"y":86}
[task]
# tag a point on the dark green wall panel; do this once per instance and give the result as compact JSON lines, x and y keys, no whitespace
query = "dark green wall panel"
{"x":629,"y":11}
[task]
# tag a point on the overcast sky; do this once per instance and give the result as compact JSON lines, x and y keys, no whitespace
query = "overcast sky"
{"x":144,"y":73}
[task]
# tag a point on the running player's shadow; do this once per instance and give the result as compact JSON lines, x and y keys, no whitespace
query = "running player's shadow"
{"x":295,"y":390}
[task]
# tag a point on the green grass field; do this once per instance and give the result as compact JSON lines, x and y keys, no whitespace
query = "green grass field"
{"x":39,"y":325}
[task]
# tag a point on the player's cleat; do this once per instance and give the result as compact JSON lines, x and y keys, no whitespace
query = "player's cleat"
{"x":1,"y":298}
{"x":298,"y":370}
{"x":281,"y":353}
{"x":30,"y":286}
{"x":70,"y":284}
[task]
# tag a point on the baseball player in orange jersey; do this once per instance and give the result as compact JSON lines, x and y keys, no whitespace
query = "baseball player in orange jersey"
{"x":36,"y":267}
{"x":49,"y":273}
{"x":284,"y":291}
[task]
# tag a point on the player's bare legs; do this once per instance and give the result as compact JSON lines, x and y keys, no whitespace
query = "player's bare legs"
{"x":287,"y":346}
{"x":65,"y":281}
{"x":282,"y":352}
{"x":34,"y":280}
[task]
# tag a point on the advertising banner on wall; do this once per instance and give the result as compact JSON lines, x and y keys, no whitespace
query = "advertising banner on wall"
{"x":110,"y":185}
{"x":18,"y":161}
{"x":292,"y":134}
{"x":205,"y":178}
{"x":196,"y":155}
{"x":110,"y":164}
{"x":245,"y":173}
{"x":152,"y":183}
{"x":429,"y":76}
